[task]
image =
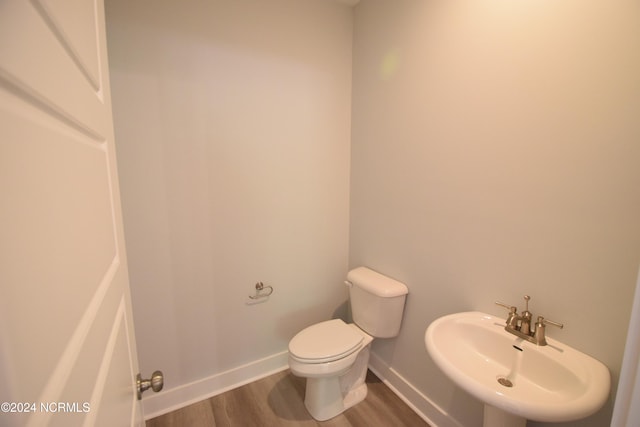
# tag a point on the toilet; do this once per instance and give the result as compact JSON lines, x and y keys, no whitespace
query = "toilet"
{"x":333,"y":356}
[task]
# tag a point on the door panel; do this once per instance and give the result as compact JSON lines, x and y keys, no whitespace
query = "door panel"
{"x":65,"y":316}
{"x":38,"y":66}
{"x":73,"y":22}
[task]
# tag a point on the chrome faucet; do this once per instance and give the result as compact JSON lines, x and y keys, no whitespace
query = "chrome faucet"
{"x":520,"y":324}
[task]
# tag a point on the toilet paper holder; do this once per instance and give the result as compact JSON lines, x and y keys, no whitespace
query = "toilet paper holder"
{"x":262,"y":291}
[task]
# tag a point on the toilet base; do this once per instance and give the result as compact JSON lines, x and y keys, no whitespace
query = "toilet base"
{"x":355,"y":396}
{"x":322,"y":398}
{"x":327,"y":397}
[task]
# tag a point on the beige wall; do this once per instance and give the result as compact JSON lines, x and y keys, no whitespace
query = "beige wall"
{"x":232,"y":126}
{"x":495,"y":153}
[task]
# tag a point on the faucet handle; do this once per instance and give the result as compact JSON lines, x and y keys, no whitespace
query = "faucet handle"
{"x":549,"y":322}
{"x":539,"y":333}
{"x":512,"y":319}
{"x":511,"y":308}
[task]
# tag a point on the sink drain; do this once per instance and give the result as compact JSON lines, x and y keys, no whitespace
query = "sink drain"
{"x":505,"y":382}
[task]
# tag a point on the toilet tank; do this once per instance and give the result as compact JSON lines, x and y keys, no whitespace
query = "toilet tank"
{"x":377,"y":302}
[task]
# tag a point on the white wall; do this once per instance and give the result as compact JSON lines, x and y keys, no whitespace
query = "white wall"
{"x":495,"y":153}
{"x":233,"y":127}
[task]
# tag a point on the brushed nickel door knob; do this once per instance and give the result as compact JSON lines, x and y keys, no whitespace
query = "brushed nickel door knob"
{"x":155,"y":383}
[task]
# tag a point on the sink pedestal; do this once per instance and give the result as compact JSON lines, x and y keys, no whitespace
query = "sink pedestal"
{"x":494,"y":417}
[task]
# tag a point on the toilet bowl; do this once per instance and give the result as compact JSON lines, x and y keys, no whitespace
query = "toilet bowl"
{"x":333,"y":356}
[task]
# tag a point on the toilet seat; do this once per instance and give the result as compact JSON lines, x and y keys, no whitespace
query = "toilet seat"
{"x":325,"y":342}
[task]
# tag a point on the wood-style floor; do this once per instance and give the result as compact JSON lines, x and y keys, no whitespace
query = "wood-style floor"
{"x":277,"y":400}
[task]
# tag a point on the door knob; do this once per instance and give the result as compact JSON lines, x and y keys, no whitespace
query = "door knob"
{"x":155,"y":383}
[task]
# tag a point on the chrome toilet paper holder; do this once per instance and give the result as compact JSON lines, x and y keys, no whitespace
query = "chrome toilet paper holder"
{"x":262,"y":291}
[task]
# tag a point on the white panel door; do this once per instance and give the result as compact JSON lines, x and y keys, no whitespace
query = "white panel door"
{"x":67,"y":355}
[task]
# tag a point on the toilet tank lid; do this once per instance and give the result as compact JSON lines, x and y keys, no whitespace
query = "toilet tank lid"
{"x":376,"y":283}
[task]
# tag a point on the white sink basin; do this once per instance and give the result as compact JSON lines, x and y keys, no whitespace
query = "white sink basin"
{"x":551,"y":383}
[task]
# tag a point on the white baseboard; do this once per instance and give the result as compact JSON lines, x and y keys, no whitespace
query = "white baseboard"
{"x":421,"y":404}
{"x":187,"y":394}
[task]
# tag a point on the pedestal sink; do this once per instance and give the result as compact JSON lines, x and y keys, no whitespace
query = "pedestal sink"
{"x":516,"y":380}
